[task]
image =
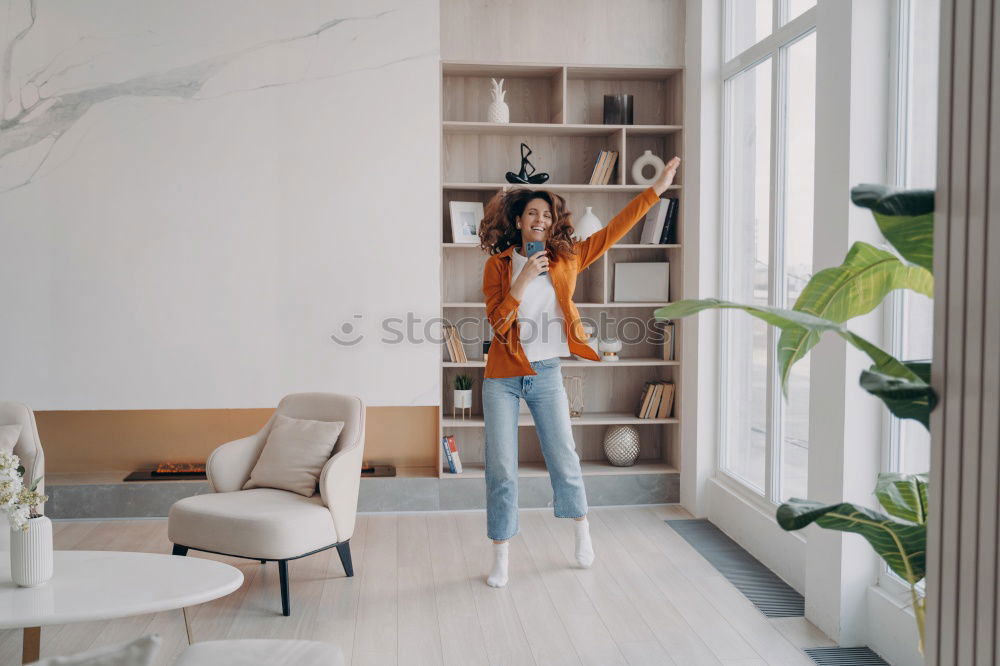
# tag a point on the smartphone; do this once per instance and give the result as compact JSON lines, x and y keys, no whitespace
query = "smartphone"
{"x":533,"y":248}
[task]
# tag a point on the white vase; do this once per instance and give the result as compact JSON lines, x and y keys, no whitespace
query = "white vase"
{"x":641,"y":162}
{"x":463,"y":398}
{"x":31,"y":552}
{"x":586,"y":225}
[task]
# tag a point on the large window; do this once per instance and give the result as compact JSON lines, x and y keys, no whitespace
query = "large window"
{"x":913,"y":164}
{"x":770,"y":99}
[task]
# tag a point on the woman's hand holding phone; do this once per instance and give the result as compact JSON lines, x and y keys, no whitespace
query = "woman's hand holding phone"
{"x":537,"y":264}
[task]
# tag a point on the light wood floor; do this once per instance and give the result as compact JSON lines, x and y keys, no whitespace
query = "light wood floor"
{"x":419,"y":596}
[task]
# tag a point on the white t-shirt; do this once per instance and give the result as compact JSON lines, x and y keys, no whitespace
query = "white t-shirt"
{"x":540,"y":319}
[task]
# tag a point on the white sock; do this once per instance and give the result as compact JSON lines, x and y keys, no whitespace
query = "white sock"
{"x":498,"y":577}
{"x":584,"y":549}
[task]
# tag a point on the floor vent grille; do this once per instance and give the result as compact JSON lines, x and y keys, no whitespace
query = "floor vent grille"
{"x":771,"y":595}
{"x":838,"y":656}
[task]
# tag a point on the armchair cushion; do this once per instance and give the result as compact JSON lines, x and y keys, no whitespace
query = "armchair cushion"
{"x":8,"y":437}
{"x":294,"y":454}
{"x":262,"y":523}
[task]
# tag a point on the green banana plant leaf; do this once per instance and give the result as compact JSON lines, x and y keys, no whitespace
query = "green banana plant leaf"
{"x":792,"y":319}
{"x":903,"y":496}
{"x":901,"y":545}
{"x":854,"y":288}
{"x":906,"y":399}
{"x":905,"y":218}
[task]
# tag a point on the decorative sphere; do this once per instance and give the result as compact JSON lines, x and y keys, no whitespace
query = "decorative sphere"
{"x":621,"y":445}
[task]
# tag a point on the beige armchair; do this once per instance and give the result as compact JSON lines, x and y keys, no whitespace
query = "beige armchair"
{"x":28,"y":448}
{"x":267,"y":524}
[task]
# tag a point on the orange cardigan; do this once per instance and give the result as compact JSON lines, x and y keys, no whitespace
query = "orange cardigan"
{"x":506,"y":357}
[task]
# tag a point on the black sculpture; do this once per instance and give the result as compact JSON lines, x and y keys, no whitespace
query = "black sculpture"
{"x":527,"y":177}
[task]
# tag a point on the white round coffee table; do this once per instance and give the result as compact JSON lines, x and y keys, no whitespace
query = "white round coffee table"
{"x":101,"y":585}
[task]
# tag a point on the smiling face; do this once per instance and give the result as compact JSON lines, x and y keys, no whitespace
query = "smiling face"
{"x":535,"y":221}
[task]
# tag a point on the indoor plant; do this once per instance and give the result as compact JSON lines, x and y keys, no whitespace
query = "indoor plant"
{"x":831,"y":297}
{"x":463,"y":394}
{"x":30,"y":531}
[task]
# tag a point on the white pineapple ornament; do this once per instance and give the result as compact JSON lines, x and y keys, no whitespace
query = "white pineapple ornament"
{"x":498,"y":112}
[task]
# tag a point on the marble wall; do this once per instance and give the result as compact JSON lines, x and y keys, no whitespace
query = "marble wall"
{"x":195,"y":196}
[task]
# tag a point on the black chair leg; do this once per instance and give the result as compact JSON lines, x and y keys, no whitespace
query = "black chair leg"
{"x":344,"y":550}
{"x":283,"y":579}
{"x":180,"y":550}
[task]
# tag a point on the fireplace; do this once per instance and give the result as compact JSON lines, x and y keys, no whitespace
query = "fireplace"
{"x":166,"y":471}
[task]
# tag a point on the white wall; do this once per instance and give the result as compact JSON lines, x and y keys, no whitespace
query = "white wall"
{"x":194,"y":196}
{"x":623,"y":32}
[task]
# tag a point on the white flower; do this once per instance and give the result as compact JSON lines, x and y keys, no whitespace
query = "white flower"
{"x":18,"y":516}
{"x":10,"y":481}
{"x":15,"y":500}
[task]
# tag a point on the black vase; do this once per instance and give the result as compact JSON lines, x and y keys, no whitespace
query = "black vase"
{"x":618,"y":109}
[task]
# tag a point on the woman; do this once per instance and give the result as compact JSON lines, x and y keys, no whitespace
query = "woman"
{"x":530,"y":333}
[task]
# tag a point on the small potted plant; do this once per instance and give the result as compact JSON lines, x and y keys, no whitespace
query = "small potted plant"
{"x":463,"y":395}
{"x":30,"y":531}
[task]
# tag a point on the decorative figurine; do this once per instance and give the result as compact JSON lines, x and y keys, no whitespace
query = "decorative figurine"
{"x":609,"y":349}
{"x":526,"y":177}
{"x":640,"y":164}
{"x":498,"y":112}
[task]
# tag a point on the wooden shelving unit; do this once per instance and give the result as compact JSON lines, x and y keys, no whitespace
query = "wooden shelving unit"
{"x":558,"y":110}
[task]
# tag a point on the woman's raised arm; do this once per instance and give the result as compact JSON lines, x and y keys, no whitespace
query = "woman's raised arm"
{"x":590,"y":249}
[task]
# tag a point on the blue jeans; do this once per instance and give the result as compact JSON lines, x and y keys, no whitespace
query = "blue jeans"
{"x":546,"y":398}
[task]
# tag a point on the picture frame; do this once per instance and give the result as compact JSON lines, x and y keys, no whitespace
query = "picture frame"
{"x":642,"y":282}
{"x":465,"y":219}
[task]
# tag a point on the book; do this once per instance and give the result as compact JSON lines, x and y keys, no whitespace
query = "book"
{"x":456,"y":460}
{"x":446,"y":330}
{"x":666,"y":407}
{"x":455,"y":347}
{"x":598,"y":167}
{"x":609,"y":167}
{"x":667,"y":347}
{"x":447,"y":454}
{"x":648,"y":403}
{"x":644,"y":400}
{"x":668,"y":235}
{"x":654,"y":403}
{"x":652,"y":228}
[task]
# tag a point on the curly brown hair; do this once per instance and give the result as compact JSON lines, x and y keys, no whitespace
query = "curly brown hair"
{"x":497,"y":232}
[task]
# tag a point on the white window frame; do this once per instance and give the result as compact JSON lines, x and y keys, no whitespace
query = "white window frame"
{"x":897,"y":176}
{"x":774,"y":46}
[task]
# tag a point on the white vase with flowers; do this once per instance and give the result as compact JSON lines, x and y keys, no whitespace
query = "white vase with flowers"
{"x":30,"y":531}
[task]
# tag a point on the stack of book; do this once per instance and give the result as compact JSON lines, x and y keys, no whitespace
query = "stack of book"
{"x":604,"y":167}
{"x":455,"y":349}
{"x":657,"y":401}
{"x":660,"y":226}
{"x":451,"y":454}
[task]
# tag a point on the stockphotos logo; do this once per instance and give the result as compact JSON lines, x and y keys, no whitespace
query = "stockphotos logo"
{"x":412,"y":329}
